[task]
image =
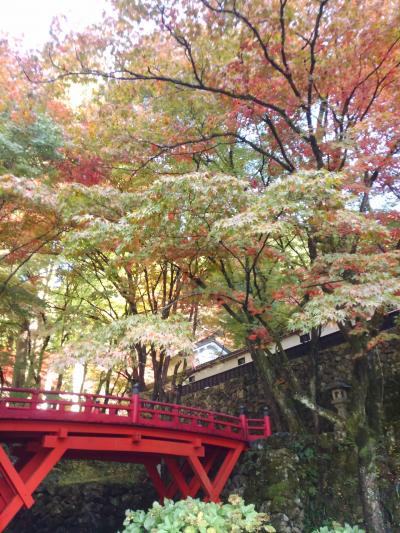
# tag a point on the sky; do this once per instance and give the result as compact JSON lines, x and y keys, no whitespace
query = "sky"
{"x":30,"y":20}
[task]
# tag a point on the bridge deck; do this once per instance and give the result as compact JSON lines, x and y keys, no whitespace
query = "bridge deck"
{"x":198,"y":448}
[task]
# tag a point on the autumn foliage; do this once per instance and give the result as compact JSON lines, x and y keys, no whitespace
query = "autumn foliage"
{"x":249,"y":184}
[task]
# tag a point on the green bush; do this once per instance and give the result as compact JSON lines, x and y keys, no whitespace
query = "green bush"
{"x":195,"y":516}
{"x":337,"y":528}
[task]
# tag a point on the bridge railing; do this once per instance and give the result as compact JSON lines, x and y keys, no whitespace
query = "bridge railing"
{"x":43,"y":404}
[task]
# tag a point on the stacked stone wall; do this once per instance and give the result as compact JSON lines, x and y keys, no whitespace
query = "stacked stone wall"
{"x":334,"y":364}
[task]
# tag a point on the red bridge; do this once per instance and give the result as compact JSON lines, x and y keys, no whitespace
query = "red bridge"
{"x":199,"y":448}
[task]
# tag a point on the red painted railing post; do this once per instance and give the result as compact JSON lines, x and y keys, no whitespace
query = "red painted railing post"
{"x":175,"y":416}
{"x":35,"y":399}
{"x":267,"y":423}
{"x":243,"y":421}
{"x":135,"y":404}
{"x":88,"y":399}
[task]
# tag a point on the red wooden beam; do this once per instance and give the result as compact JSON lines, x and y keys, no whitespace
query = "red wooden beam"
{"x":201,"y":474}
{"x":154,"y":475}
{"x":195,"y":485}
{"x":30,"y":477}
{"x":117,"y":445}
{"x":226,"y":468}
{"x":13,"y":479}
{"x":178,"y":476}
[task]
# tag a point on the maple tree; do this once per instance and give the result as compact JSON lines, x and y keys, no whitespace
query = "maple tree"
{"x":29,"y":142}
{"x":295,"y":104}
{"x":269,"y":280}
{"x":249,"y":253}
{"x":298,"y":84}
{"x":104,"y":289}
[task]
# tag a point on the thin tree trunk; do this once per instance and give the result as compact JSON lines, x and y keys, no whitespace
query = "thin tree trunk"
{"x":156,"y":372}
{"x":59,"y":383}
{"x":178,"y":379}
{"x":141,"y":352}
{"x":35,"y":365}
{"x":314,"y":379}
{"x":21,"y":357}
{"x":82,"y":387}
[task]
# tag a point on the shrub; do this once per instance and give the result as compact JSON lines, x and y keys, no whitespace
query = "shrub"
{"x":195,"y":516}
{"x":337,"y":528}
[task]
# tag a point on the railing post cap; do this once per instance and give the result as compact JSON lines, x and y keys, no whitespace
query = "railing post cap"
{"x":135,"y":388}
{"x":242,"y":409}
{"x":266,"y":410}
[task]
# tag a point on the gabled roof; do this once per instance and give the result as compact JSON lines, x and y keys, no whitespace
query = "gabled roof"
{"x":211,"y":339}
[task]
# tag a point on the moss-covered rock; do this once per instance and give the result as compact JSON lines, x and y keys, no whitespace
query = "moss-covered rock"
{"x":268,"y":477}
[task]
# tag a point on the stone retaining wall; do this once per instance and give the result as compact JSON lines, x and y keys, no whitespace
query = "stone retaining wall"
{"x":93,"y":507}
{"x":335,"y":364}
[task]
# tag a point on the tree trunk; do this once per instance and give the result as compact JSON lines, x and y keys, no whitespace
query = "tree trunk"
{"x":36,"y":364}
{"x":366,"y":423}
{"x":60,"y":378}
{"x":82,"y":387}
{"x":369,"y":486}
{"x":21,"y":356}
{"x":178,"y":378}
{"x":274,"y":383}
{"x":140,"y":362}
{"x":314,"y":374}
{"x":108,"y":382}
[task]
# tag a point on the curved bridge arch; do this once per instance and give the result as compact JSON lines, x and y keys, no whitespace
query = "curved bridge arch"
{"x":199,"y":448}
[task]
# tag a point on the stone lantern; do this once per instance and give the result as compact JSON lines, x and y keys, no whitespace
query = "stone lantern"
{"x":339,"y":396}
